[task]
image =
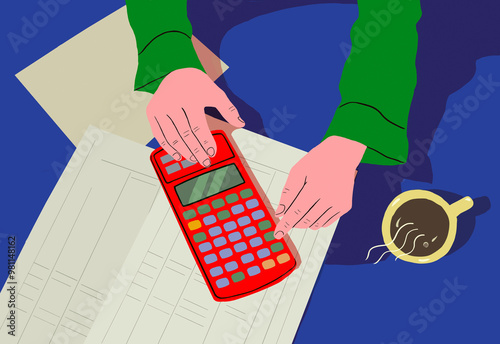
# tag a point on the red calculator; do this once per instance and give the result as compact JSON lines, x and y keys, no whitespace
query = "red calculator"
{"x":225,"y":222}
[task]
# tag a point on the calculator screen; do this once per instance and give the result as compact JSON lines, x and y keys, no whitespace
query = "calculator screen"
{"x":209,"y":184}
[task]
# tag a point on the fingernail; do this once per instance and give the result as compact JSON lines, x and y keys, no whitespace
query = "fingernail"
{"x":211,"y":151}
{"x":206,"y":162}
{"x":176,"y":156}
{"x":281,"y":208}
{"x":279,"y":234}
{"x":242,"y":121}
{"x":192,"y":158}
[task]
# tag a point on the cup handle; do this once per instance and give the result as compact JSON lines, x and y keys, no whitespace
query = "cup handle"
{"x":461,"y":205}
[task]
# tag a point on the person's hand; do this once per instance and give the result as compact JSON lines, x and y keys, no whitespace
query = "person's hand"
{"x":176,"y":114}
{"x":319,"y":189}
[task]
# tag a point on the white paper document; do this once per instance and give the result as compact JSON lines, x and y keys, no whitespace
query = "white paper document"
{"x":168,"y":301}
{"x":80,"y":240}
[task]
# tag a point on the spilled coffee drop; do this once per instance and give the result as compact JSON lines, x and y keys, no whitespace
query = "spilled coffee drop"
{"x":420,"y":227}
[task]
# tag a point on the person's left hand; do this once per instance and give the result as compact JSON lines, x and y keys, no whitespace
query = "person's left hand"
{"x":319,"y":189}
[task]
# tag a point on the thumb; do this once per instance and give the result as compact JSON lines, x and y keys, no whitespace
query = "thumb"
{"x":228,"y":110}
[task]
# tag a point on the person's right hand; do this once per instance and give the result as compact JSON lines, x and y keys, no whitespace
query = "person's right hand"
{"x":176,"y":114}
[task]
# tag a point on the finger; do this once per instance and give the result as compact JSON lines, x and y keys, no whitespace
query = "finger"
{"x":159,"y":134}
{"x":189,"y":146}
{"x":293,"y":186}
{"x":324,"y":218}
{"x":332,"y":219}
{"x":312,"y":217}
{"x":200,"y":129}
{"x":296,"y":213}
{"x":228,"y":110}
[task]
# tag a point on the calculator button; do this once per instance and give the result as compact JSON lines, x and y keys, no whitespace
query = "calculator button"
{"x":173,"y":168}
{"x":252,"y":203}
{"x":237,"y":209}
{"x":203,"y":209}
{"x":199,"y":237}
{"x":247,"y":258}
{"x":246,"y":193}
{"x":268,"y":264}
{"x":226,"y":253}
{"x":255,"y":242}
{"x":254,"y":270}
{"x":214,"y":231}
{"x":219,"y":241}
{"x":230,"y":226}
{"x":222,"y":215}
{"x":166,"y":159}
{"x":209,"y":220}
{"x":263,"y":253}
{"x":243,"y":221}
{"x":217,"y":271}
{"x":231,"y":266}
{"x":218,"y":203}
{"x":265,"y":225}
{"x":257,"y":215}
{"x":223,"y":282}
{"x":249,"y":231}
{"x":187,"y":163}
{"x":241,"y":246}
{"x":206,"y":246}
{"x":269,"y":236}
{"x":194,"y":225}
{"x":277,"y":247}
{"x":235,"y":236}
{"x":283,"y":258}
{"x":239,"y":276}
{"x":231,"y":198}
{"x":210,"y":258}
{"x":188,"y":215}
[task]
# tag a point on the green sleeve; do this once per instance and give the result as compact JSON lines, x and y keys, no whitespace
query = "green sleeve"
{"x":378,"y":80}
{"x":163,"y":36}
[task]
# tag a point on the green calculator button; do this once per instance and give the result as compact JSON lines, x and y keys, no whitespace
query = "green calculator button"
{"x":269,"y":236}
{"x":239,"y":276}
{"x":199,"y":237}
{"x":189,"y":214}
{"x":203,"y":209}
{"x":222,"y":215}
{"x":277,"y":247}
{"x":218,"y":203}
{"x":265,"y":225}
{"x":246,"y":193}
{"x":231,"y":198}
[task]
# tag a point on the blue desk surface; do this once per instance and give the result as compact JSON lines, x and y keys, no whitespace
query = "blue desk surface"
{"x":392,"y":302}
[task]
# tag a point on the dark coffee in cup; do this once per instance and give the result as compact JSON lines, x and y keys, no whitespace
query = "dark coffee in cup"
{"x":419,"y":228}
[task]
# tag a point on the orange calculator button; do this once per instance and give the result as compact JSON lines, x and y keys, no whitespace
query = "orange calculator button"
{"x":194,"y":225}
{"x":283,"y":258}
{"x":268,"y":264}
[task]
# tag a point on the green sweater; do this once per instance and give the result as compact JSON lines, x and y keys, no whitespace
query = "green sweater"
{"x":377,"y":82}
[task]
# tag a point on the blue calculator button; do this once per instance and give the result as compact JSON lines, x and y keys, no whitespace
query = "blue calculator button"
{"x":247,"y":258}
{"x":208,"y":220}
{"x":237,"y":209}
{"x":187,"y":163}
{"x":256,"y":215}
{"x":226,"y":253}
{"x":173,"y":168}
{"x":219,"y":241}
{"x":252,"y":203}
{"x":206,"y":246}
{"x":234,"y":236}
{"x":166,"y":159}
{"x":231,"y":266}
{"x":230,"y":226}
{"x":243,"y":221}
{"x":255,"y":242}
{"x":249,"y":231}
{"x":214,"y":231}
{"x":241,"y":246}
{"x":263,"y":253}
{"x":223,"y":282}
{"x":210,"y":258}
{"x":216,"y":271}
{"x":254,"y":270}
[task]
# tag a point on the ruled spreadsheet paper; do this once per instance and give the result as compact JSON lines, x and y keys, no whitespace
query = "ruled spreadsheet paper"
{"x":77,"y":247}
{"x":168,"y":301}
